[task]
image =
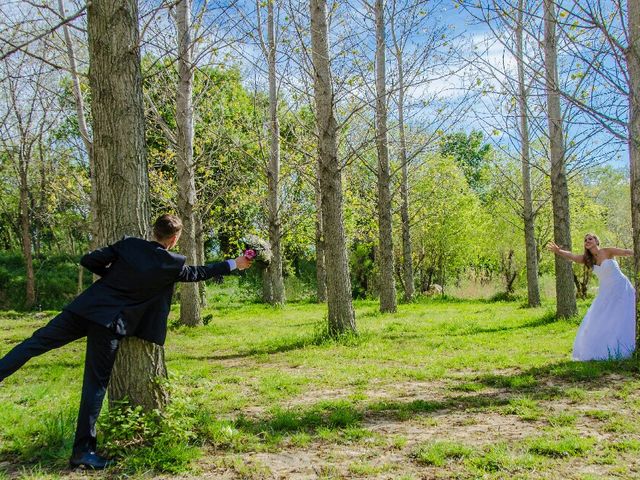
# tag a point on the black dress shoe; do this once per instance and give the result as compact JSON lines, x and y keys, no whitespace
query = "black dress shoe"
{"x":90,"y":460}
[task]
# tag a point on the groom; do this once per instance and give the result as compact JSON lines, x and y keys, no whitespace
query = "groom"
{"x":132,"y":298}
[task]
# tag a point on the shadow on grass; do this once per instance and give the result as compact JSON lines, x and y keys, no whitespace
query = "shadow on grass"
{"x":266,"y":349}
{"x":592,"y":374}
{"x":546,"y":319}
{"x":287,"y":344}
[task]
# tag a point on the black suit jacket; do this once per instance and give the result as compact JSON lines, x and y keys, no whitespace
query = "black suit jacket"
{"x":136,"y":285}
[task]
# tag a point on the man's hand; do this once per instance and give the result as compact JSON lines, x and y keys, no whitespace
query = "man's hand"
{"x":243,"y":262}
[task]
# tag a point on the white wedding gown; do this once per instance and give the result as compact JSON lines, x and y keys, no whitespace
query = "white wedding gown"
{"x":608,"y":330}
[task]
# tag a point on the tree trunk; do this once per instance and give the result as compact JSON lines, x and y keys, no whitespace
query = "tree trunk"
{"x":122,"y":193}
{"x":276,"y":295}
{"x":25,"y":228}
{"x":267,"y":286}
{"x":407,"y":266}
{"x":565,"y":289}
{"x":321,"y":272}
{"x":139,"y":365}
{"x":341,"y":316}
{"x":189,"y":292}
{"x":80,"y":279}
{"x":385,"y":229}
{"x":407,"y":248}
{"x":82,"y":124}
{"x":200,"y":260}
{"x":633,"y":64}
{"x":533,"y":291}
{"x":582,"y":284}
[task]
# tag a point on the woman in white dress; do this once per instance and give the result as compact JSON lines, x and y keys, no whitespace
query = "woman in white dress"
{"x":608,"y":330}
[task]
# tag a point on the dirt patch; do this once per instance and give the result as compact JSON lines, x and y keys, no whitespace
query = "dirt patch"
{"x":467,"y":418}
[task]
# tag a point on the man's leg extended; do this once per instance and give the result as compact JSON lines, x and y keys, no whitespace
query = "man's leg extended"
{"x":64,"y":328}
{"x":102,"y":346}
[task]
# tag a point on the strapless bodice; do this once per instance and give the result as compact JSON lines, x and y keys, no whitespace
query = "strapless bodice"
{"x":609,"y":274}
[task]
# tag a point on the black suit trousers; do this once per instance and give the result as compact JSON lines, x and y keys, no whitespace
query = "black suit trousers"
{"x":102,"y":346}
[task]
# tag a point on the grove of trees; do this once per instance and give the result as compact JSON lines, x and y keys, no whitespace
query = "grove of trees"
{"x":382,"y":147}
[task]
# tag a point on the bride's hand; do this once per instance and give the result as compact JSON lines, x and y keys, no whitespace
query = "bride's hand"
{"x":552,"y":247}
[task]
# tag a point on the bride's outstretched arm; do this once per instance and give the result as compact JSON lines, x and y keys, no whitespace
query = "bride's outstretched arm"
{"x":619,"y":252}
{"x":564,"y":253}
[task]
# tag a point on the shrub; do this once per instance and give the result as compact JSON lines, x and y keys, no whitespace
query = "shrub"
{"x":56,"y":281}
{"x":160,"y":441}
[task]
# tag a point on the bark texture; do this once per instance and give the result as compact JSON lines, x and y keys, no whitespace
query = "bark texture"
{"x":321,"y":271}
{"x":385,"y":229}
{"x":341,"y":315}
{"x":276,"y":293}
{"x":533,"y":291}
{"x":565,"y":288}
{"x":189,"y":292}
{"x":122,"y":193}
{"x":141,"y":370}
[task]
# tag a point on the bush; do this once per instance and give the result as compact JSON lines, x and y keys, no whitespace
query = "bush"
{"x":159,"y":441}
{"x":56,"y":281}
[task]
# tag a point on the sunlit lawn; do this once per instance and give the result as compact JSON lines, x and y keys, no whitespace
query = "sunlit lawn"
{"x":441,"y":389}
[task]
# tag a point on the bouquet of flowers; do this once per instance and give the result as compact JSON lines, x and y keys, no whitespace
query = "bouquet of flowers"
{"x":258,"y":250}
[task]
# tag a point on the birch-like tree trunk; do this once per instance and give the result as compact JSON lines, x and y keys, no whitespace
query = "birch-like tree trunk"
{"x":407,"y":248}
{"x":82,"y":122}
{"x":321,"y":269}
{"x":385,"y":230}
{"x":122,"y":193}
{"x":341,"y":315}
{"x":200,"y":258}
{"x":398,"y":38}
{"x":533,"y":291}
{"x":275,"y":295}
{"x":189,"y":292}
{"x":565,"y":288}
{"x":25,"y":224}
{"x":633,"y":64}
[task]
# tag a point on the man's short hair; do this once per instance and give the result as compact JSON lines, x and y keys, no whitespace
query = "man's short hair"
{"x":166,"y":226}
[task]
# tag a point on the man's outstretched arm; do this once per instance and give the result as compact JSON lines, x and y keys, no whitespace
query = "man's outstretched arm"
{"x":205,"y":272}
{"x":99,"y":260}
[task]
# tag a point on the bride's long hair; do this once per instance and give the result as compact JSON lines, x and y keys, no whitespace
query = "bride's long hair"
{"x":588,"y":257}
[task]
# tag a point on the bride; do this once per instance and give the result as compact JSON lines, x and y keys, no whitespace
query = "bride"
{"x":608,"y":329}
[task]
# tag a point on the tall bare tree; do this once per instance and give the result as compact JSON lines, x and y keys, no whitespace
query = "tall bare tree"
{"x":533,"y":291}
{"x":189,"y":292}
{"x":80,"y":112}
{"x":341,"y":314}
{"x":565,"y":288}
{"x":122,"y":182}
{"x":385,"y":228}
{"x":407,"y":249}
{"x":276,"y":293}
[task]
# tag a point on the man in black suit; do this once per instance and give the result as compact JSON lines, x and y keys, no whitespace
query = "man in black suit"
{"x":132,"y":298}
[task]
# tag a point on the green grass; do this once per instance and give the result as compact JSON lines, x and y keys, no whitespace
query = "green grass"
{"x":560,"y":444}
{"x":439,"y":453}
{"x":465,"y":389}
